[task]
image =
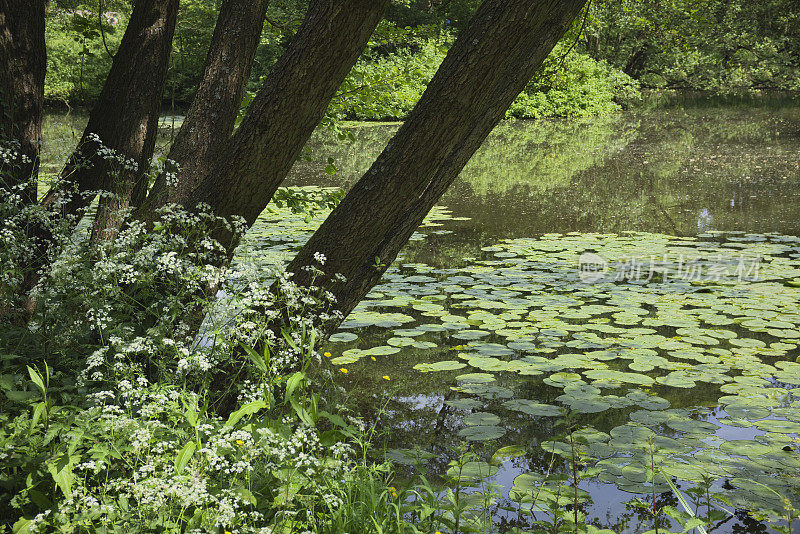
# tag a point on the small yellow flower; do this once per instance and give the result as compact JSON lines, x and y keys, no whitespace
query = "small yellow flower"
{"x":327,"y":354}
{"x":343,"y":370}
{"x":229,"y":532}
{"x":373,"y":358}
{"x":394,"y":491}
{"x":386,"y":377}
{"x":239,"y":442}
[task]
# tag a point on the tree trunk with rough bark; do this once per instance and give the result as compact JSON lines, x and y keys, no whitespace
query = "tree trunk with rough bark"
{"x":124,"y":119}
{"x":488,"y":66}
{"x":211,"y":117}
{"x":286,"y":109}
{"x":23,"y":63}
{"x":153,"y":24}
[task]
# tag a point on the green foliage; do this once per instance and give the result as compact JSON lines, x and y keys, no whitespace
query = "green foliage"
{"x":77,"y":60}
{"x":388,"y":87}
{"x":714,"y":45}
{"x":572,"y":84}
{"x":385,"y":84}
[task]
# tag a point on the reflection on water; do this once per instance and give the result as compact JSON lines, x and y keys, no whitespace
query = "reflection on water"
{"x":671,"y":171}
{"x":677,"y":171}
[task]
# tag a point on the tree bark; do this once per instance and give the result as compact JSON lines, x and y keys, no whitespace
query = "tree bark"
{"x":488,"y":66}
{"x":212,"y":115}
{"x":286,"y":110}
{"x":125,"y":117}
{"x":154,"y":29}
{"x":23,"y":62}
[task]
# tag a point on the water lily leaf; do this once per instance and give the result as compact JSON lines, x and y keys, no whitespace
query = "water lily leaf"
{"x":464,"y":404}
{"x":487,"y":391}
{"x":400,"y":341}
{"x":677,"y":379}
{"x":446,"y":365}
{"x":508,"y":452}
{"x":409,"y":456}
{"x":383,"y":350}
{"x":560,"y":380}
{"x":649,"y":402}
{"x":743,"y":411}
{"x":471,"y":471}
{"x":691,"y":426}
{"x":748,"y":448}
{"x":468,"y":335}
{"x":618,"y":376}
{"x":482,"y":432}
{"x":408,"y":332}
{"x":533,"y":408}
{"x":775,"y":425}
{"x":482,"y":418}
{"x":521,"y":346}
{"x":343,"y":337}
{"x":528,"y":483}
{"x":476,"y":378}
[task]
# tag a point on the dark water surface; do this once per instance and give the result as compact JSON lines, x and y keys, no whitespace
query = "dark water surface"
{"x":491,"y":284}
{"x":674,"y":171}
{"x":680,"y":171}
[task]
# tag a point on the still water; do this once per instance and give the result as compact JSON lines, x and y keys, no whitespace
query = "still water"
{"x":674,"y":171}
{"x":489,"y":287}
{"x":491,"y":336}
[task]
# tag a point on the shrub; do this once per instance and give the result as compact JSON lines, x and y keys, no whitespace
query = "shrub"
{"x":388,"y":87}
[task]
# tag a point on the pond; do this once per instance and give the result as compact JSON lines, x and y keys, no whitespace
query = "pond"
{"x":634,"y":278}
{"x":679,"y":347}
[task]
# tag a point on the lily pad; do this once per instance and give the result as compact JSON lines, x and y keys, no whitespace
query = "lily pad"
{"x":482,"y":432}
{"x":445,"y":365}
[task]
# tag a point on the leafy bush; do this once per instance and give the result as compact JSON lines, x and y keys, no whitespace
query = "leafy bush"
{"x":718,"y":46}
{"x":574,"y":85}
{"x":388,"y":88}
{"x":126,"y":426}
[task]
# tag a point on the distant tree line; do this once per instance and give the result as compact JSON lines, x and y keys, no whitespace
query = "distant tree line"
{"x":712,"y":45}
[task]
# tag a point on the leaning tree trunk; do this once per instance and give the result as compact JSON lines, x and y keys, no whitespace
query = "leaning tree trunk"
{"x":280,"y":119}
{"x":287,"y":108}
{"x":211,"y":117}
{"x":23,"y":62}
{"x":153,"y":33}
{"x":488,"y":66}
{"x":124,"y":119}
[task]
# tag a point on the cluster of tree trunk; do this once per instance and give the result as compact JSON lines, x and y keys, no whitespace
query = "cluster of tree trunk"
{"x":237,"y":172}
{"x":24,"y":63}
